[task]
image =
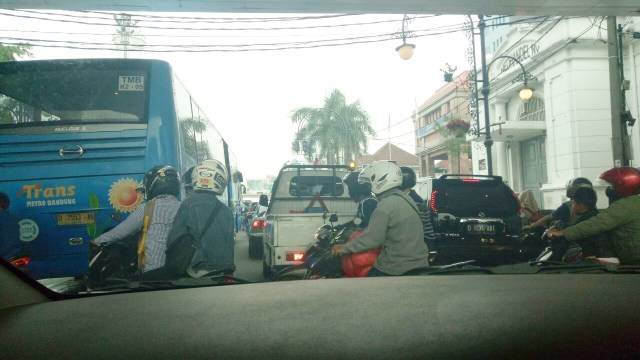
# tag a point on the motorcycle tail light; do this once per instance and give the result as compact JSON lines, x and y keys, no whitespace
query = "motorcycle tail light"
{"x":295,"y":256}
{"x":21,"y":263}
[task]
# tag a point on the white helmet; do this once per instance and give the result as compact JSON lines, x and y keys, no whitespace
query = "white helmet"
{"x":210,"y":175}
{"x":383,"y":175}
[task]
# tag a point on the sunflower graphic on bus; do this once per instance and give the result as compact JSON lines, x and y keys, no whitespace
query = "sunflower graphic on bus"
{"x":124,"y":198}
{"x":123,"y":195}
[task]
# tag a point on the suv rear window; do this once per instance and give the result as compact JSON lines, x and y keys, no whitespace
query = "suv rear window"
{"x":468,"y":197}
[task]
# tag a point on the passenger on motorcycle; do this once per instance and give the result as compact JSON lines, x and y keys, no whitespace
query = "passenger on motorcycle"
{"x":408,"y":182}
{"x":395,"y":225}
{"x":360,"y":193}
{"x":154,"y":219}
{"x":563,"y":214}
{"x":598,"y":245}
{"x":621,"y":219}
{"x":214,"y":253}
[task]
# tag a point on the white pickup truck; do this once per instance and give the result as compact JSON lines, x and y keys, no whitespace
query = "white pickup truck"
{"x":301,"y":195}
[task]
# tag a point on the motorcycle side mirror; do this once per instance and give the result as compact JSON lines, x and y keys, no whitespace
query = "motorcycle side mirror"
{"x":333,"y":218}
{"x":264,"y":200}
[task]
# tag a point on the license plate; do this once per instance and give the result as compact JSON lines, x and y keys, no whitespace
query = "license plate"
{"x":485,"y":229}
{"x":81,"y":218}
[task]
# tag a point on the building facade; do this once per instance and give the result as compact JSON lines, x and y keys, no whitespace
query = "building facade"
{"x":438,"y":152}
{"x":564,"y":131}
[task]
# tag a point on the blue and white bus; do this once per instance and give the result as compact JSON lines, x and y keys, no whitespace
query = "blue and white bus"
{"x":76,"y":137}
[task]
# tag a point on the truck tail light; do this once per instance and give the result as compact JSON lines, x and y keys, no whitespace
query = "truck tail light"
{"x":295,"y":256}
{"x":258,"y":224}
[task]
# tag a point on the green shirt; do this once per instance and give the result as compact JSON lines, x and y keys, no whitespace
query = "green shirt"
{"x":622,"y":221}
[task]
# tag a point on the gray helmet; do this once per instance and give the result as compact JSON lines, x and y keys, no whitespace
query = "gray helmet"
{"x":575,"y":184}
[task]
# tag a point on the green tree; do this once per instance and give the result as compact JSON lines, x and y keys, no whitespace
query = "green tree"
{"x":10,"y":110}
{"x":337,"y":130}
{"x":13,"y":52}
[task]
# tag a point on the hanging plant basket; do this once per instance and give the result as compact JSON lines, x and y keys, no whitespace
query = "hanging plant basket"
{"x":458,"y":127}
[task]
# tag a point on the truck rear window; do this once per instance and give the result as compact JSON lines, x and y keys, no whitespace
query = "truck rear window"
{"x":316,"y":186}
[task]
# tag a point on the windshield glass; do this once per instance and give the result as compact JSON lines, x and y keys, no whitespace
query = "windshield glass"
{"x":69,"y":92}
{"x":116,"y":176}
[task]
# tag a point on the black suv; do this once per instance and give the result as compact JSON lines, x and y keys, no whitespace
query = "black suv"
{"x":477,"y":218}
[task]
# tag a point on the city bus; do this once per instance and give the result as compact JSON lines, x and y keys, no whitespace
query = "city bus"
{"x":76,"y":137}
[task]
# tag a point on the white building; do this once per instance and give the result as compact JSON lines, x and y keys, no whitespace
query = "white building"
{"x":564,"y":131}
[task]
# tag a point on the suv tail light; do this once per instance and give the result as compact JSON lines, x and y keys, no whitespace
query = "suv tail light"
{"x":432,"y":201}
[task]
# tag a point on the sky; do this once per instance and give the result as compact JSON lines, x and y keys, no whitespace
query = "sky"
{"x":249,"y":92}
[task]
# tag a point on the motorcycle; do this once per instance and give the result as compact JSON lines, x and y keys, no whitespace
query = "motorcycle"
{"x":319,"y":263}
{"x":559,"y":250}
{"x":117,"y":260}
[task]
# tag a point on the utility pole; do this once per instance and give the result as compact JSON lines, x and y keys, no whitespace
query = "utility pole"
{"x":619,"y":139}
{"x":488,"y":142}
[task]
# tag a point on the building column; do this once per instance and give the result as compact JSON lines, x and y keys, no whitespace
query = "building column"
{"x":501,"y":167}
{"x":501,"y":160}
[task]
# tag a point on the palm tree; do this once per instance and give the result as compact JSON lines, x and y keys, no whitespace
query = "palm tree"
{"x":337,"y":130}
{"x":192,"y":136}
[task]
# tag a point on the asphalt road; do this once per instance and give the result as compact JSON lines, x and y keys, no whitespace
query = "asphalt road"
{"x":246,"y":268}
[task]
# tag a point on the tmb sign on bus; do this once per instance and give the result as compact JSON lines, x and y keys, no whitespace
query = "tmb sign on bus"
{"x":131,"y":83}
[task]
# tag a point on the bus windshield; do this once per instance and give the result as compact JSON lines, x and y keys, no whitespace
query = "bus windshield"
{"x":32,"y":95}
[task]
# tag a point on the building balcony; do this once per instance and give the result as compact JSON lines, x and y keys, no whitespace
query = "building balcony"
{"x":514,"y":130}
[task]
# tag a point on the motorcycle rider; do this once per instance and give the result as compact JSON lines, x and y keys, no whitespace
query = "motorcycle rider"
{"x":161,"y":186}
{"x":10,"y":244}
{"x":395,"y":225}
{"x":621,"y":219}
{"x":360,"y":193}
{"x":215,"y":250}
{"x":563,"y":214}
{"x":408,"y":182}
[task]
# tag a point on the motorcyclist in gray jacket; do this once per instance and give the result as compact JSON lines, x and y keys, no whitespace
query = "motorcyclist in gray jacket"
{"x":395,"y":226}
{"x":215,"y":250}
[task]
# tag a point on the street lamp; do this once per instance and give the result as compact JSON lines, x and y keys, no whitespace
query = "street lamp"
{"x":405,"y":50}
{"x":525,"y":93}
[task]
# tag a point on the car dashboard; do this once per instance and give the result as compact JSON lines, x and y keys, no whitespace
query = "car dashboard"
{"x":446,"y":316}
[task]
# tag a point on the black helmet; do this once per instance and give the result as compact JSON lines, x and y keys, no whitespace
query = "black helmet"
{"x":356,"y":189}
{"x":575,"y":184}
{"x":161,"y":180}
{"x":408,"y":178}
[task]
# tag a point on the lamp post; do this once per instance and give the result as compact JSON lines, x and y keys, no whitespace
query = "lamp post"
{"x":525,"y":93}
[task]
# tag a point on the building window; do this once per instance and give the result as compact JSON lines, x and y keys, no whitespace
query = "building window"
{"x":532,"y":110}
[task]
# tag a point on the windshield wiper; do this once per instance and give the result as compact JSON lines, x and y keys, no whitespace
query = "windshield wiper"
{"x":124,"y":285}
{"x":464,"y":267}
{"x":557,"y":267}
{"x":533,"y":267}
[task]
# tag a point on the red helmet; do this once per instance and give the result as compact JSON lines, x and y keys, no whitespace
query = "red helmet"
{"x":624,"y":181}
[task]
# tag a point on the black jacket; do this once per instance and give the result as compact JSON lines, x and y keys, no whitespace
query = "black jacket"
{"x":215,"y":251}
